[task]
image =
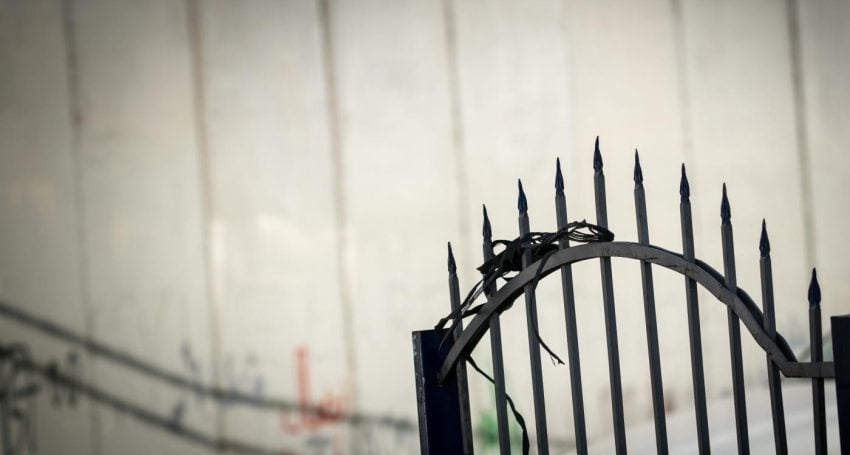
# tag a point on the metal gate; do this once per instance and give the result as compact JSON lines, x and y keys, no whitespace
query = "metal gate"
{"x":441,"y":385}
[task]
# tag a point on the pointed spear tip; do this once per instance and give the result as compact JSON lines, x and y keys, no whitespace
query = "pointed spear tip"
{"x":597,"y":157}
{"x":522,"y":203}
{"x":684,"y":186}
{"x":487,"y":230}
{"x":452,"y":265}
{"x":559,"y":177}
{"x":814,"y":289}
{"x":638,"y":174}
{"x":725,"y":210}
{"x":764,"y":242}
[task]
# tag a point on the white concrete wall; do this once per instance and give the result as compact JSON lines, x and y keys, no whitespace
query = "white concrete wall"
{"x":223,"y":188}
{"x":41,"y":250}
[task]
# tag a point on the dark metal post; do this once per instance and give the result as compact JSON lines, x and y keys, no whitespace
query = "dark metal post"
{"x":694,"y":335}
{"x":610,"y":316}
{"x":462,"y":385}
{"x":5,"y":403}
{"x":738,"y":392}
{"x":570,"y":316}
{"x":818,"y":404}
{"x":533,"y":342}
{"x":496,"y":350}
{"x":649,"y":315}
{"x":439,"y":407}
{"x":841,"y":355}
{"x":773,"y":378}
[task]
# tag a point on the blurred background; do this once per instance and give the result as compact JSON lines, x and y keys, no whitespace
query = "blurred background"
{"x":256,"y":196}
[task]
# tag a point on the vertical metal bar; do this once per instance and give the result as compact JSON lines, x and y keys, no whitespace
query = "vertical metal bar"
{"x":5,"y":404}
{"x":533,"y":343}
{"x":496,"y":349}
{"x":818,"y":405}
{"x":774,"y":380}
{"x":570,"y":313}
{"x":610,"y":316}
{"x":649,"y":315}
{"x":460,"y":371}
{"x":439,"y":406}
{"x":738,"y":392}
{"x":841,"y":355}
{"x":694,"y":330}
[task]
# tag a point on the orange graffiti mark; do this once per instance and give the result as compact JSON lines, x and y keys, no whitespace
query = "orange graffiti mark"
{"x":312,"y":415}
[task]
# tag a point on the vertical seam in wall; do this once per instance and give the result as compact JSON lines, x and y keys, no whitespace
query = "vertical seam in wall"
{"x":801,"y":130}
{"x":80,"y":209}
{"x":573,"y":94}
{"x":456,"y":120}
{"x":684,"y":97}
{"x":682,"y":81}
{"x":569,"y":82}
{"x":205,"y":179}
{"x":343,"y":245}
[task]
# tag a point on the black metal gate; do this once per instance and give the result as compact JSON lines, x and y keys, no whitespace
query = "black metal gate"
{"x":443,"y":402}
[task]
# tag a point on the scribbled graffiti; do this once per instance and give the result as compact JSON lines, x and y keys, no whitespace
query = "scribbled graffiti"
{"x":325,"y":425}
{"x":18,"y":390}
{"x":331,"y":406}
{"x":319,"y":423}
{"x":335,"y":427}
{"x":243,"y":373}
{"x":313,"y":424}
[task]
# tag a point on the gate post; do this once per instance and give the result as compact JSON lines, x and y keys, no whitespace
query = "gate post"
{"x":440,"y":429}
{"x":841,"y":355}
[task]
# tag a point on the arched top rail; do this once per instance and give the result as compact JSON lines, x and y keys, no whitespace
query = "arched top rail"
{"x":740,"y":302}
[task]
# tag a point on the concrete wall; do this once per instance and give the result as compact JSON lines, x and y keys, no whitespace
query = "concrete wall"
{"x":257,"y":194}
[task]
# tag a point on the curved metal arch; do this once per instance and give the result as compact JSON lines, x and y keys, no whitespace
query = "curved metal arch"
{"x":702,"y":273}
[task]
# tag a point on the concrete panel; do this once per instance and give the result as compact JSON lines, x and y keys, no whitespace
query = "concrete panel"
{"x":273,"y":216}
{"x":825,"y":49}
{"x":39,"y":252}
{"x":140,"y":178}
{"x":624,"y":88}
{"x":513,"y":81}
{"x":198,"y":205}
{"x":400,"y":188}
{"x":742,"y":116}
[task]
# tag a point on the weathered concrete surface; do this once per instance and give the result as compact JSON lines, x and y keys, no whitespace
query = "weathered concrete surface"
{"x":257,"y":194}
{"x":271,"y":219}
{"x":141,"y":189}
{"x":825,"y":57}
{"x":390,"y":71}
{"x":739,"y":73}
{"x":798,"y":419}
{"x":40,"y":253}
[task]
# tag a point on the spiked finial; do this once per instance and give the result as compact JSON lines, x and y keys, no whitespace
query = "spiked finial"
{"x":597,"y":157}
{"x":487,"y":231}
{"x":559,"y":178}
{"x":452,"y":265}
{"x":684,"y":186}
{"x":725,"y":211}
{"x":814,"y":289}
{"x":638,"y":170}
{"x":522,"y":203}
{"x":764,"y":242}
